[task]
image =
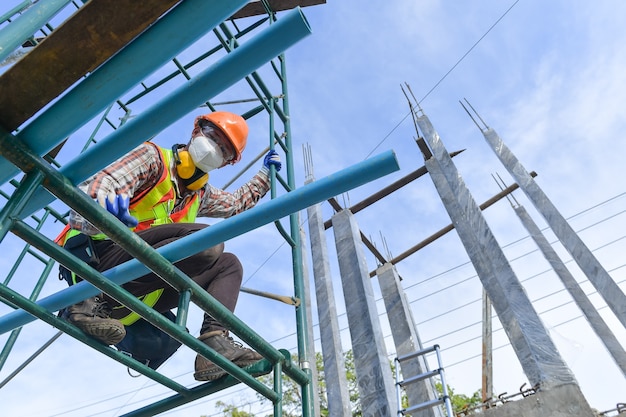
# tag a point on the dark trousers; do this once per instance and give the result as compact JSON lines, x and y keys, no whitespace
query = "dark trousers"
{"x":219,"y":273}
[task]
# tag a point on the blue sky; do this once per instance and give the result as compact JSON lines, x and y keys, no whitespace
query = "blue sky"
{"x":549,"y":77}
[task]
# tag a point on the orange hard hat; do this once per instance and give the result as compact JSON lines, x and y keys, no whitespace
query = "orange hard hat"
{"x":232,"y":125}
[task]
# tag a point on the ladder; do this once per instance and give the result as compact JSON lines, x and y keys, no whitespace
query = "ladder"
{"x":444,"y":399}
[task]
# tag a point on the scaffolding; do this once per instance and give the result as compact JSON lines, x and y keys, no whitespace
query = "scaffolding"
{"x":123,"y":87}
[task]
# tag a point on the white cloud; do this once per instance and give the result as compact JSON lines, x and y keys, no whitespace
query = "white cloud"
{"x":549,"y":78}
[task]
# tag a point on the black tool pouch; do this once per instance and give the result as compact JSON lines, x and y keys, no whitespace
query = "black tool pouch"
{"x":149,"y":344}
{"x":83,"y":248}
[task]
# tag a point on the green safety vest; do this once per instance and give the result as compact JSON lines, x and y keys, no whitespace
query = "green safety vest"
{"x":152,"y":207}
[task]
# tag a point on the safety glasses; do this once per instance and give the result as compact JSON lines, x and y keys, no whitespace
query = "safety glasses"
{"x":216,"y":135}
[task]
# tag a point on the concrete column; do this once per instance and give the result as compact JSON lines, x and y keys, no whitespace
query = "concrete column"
{"x":330,"y":338}
{"x":487,"y":368}
{"x":406,"y":340}
{"x":582,"y":301}
{"x":601,"y":280}
{"x":309,"y":320}
{"x":373,"y":370}
{"x":533,"y":346}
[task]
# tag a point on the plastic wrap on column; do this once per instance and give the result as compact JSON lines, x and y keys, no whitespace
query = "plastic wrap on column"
{"x":376,"y":387}
{"x":309,"y":319}
{"x":406,"y":340}
{"x":533,"y":346}
{"x":586,"y":306}
{"x":330,"y":337}
{"x":588,"y":263}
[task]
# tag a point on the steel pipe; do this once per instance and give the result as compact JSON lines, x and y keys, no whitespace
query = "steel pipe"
{"x":291,"y":28}
{"x":262,"y":214}
{"x":22,"y":28}
{"x":173,"y":33}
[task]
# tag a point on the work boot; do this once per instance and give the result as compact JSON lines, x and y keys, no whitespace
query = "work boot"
{"x":92,"y":316}
{"x":224,"y":345}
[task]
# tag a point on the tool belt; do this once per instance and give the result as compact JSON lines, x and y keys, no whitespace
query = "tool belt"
{"x":81,"y":246}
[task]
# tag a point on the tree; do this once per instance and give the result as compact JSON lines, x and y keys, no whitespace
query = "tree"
{"x":292,"y":394}
{"x":460,"y":402}
{"x":292,"y":399}
{"x":231,"y":410}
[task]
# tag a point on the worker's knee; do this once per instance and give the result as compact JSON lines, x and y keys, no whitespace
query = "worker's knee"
{"x":212,"y":254}
{"x":231,"y":264}
{"x":231,"y":261}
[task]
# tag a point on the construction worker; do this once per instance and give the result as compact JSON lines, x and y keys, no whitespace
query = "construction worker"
{"x":159,"y":192}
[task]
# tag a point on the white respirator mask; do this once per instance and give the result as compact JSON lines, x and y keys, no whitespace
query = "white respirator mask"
{"x":205,"y":153}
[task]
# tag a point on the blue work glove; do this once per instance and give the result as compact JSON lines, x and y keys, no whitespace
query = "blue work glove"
{"x":272,"y":158}
{"x":118,"y":206}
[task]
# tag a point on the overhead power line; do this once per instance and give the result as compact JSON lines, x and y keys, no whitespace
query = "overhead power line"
{"x":456,"y":64}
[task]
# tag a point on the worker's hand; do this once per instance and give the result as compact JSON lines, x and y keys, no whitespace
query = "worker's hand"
{"x":272,"y":158}
{"x":118,"y":206}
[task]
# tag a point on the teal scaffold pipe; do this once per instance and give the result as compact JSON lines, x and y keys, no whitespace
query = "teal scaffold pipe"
{"x":274,"y":39}
{"x":23,"y":27}
{"x":171,"y":34}
{"x":260,"y":215}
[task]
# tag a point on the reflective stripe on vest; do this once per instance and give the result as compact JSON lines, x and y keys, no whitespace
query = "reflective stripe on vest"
{"x":70,"y":233}
{"x":149,"y":299}
{"x":62,"y":237}
{"x":155,"y":207}
{"x":152,"y":207}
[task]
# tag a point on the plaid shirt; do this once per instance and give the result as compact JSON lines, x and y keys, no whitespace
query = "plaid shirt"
{"x":140,"y":170}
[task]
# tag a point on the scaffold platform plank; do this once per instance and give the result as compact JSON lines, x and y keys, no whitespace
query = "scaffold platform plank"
{"x":95,"y":33}
{"x":255,"y":8}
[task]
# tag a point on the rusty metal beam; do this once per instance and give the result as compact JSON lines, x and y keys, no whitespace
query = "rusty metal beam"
{"x":375,"y":197}
{"x":95,"y":33}
{"x":386,"y":191}
{"x":395,"y":186}
{"x":449,"y":227}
